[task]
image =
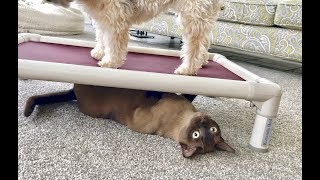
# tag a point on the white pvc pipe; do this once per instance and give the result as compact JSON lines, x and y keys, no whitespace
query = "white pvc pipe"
{"x":131,"y":79}
{"x":261,"y":134}
{"x":29,"y":69}
{"x":66,"y":41}
{"x":233,"y":67}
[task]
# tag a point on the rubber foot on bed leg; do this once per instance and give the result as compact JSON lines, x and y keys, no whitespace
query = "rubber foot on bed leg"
{"x":258,"y":149}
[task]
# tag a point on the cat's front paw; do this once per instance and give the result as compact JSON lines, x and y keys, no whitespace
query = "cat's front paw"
{"x":97,"y":53}
{"x":185,"y":70}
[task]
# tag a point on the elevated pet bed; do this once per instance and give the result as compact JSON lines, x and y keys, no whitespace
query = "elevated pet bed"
{"x":66,"y":60}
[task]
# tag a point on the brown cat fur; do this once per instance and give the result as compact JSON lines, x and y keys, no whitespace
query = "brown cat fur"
{"x":170,"y":115}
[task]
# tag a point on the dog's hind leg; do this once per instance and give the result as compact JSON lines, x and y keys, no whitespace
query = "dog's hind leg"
{"x":195,"y":37}
{"x":115,"y":46}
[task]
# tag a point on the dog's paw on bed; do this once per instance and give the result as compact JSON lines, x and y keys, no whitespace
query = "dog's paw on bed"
{"x":185,"y":70}
{"x":97,"y":53}
{"x":109,"y":64}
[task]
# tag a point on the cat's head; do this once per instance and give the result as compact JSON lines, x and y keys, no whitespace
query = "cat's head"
{"x":201,"y":135}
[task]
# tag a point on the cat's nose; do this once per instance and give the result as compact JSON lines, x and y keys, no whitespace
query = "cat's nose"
{"x":208,"y":146}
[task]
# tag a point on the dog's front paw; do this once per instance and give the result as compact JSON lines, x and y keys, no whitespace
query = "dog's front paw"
{"x":185,"y":70}
{"x":205,"y":59}
{"x":205,"y":62}
{"x":97,"y":53}
{"x":109,"y":64}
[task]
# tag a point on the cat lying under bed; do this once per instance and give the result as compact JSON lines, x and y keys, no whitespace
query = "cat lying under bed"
{"x":165,"y":114}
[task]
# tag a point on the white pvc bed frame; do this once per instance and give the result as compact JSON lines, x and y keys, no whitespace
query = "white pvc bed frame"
{"x":264,"y":94}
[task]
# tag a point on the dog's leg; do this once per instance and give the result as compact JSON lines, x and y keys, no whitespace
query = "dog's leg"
{"x":205,"y":58}
{"x":98,"y":51}
{"x":195,"y":37}
{"x":115,"y":47}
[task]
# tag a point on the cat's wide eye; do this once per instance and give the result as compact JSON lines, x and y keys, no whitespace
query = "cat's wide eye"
{"x":213,"y":129}
{"x":195,"y":134}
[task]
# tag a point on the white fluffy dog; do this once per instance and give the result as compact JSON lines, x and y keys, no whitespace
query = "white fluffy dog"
{"x":113,"y":18}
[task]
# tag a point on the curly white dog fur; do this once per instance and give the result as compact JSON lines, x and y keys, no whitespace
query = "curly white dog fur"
{"x":113,"y":18}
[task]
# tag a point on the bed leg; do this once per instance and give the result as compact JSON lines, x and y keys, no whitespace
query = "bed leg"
{"x":262,"y":128}
{"x":261,"y":134}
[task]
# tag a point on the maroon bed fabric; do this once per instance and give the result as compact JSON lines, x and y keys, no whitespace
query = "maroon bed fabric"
{"x":135,"y":61}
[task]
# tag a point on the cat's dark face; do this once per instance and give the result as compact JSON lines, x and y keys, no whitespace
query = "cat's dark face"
{"x":201,"y":136}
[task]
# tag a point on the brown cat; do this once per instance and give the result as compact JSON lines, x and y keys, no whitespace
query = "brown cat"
{"x":165,"y":114}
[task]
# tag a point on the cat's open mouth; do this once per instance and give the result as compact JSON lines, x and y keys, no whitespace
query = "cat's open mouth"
{"x":188,"y":151}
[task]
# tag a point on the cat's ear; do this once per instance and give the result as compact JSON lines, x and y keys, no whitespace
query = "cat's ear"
{"x":223,"y":146}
